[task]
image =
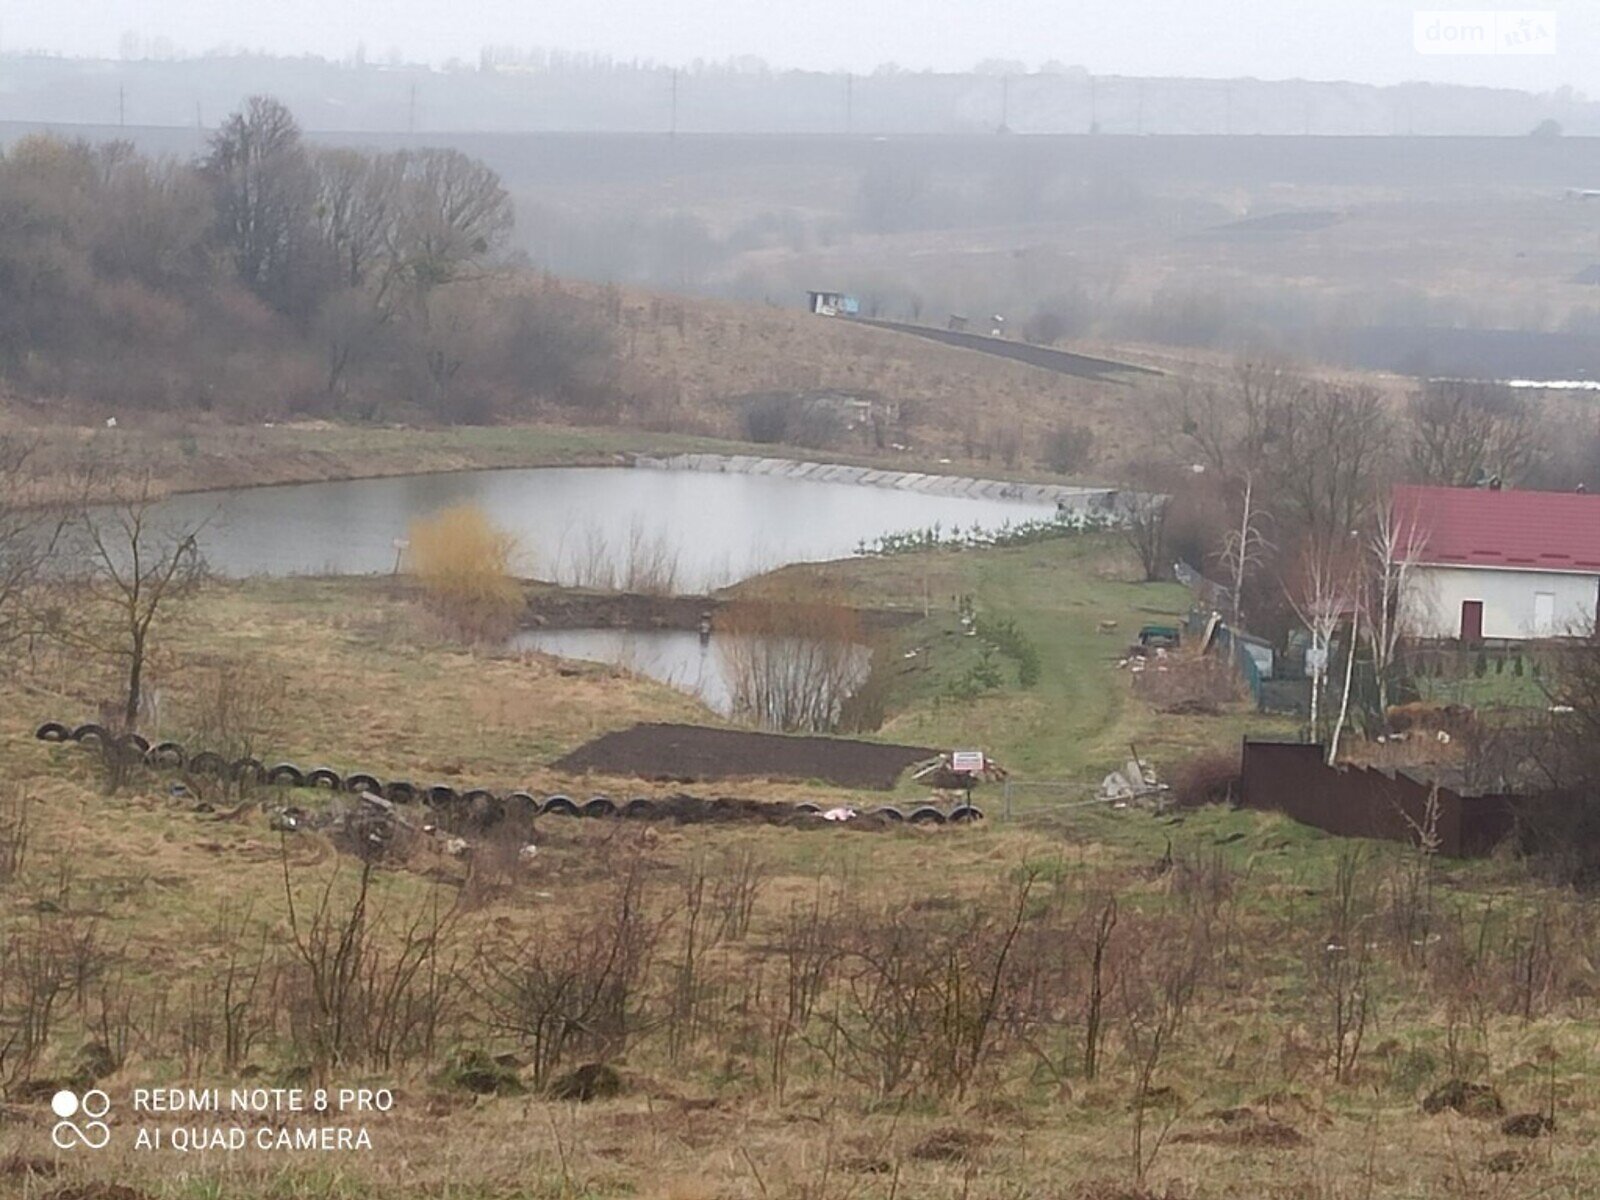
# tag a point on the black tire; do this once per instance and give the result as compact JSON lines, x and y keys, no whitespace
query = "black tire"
{"x":52,"y":731}
{"x":325,"y":777}
{"x":245,"y":770}
{"x":400,"y":791}
{"x":441,"y":795}
{"x":91,"y":732}
{"x":520,"y":806}
{"x":208,"y":762}
{"x":889,"y":813}
{"x":130,"y":747}
{"x":927,"y":816}
{"x":965,"y":814}
{"x":484,"y":808}
{"x":600,"y":806}
{"x":167,"y":754}
{"x":362,"y":782}
{"x":640,"y":808}
{"x":561,"y":806}
{"x":286,"y":775}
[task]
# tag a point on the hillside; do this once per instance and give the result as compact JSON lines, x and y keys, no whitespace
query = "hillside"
{"x":709,"y":361}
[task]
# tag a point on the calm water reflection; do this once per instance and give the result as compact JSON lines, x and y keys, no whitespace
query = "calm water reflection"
{"x":576,"y":524}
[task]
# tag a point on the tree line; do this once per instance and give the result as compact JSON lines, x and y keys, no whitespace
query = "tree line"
{"x":272,"y":277}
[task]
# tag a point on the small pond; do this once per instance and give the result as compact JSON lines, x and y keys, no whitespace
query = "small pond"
{"x":706,"y":668}
{"x":601,"y":527}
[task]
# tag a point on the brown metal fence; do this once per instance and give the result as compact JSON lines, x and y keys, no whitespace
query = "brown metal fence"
{"x":1362,"y":802}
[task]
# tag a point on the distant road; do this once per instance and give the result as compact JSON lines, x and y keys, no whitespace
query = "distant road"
{"x":1062,"y":362}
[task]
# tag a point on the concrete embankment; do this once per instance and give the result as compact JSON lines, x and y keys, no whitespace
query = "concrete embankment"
{"x":1065,"y":497}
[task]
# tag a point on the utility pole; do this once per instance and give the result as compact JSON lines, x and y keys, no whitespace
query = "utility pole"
{"x":411,"y":112}
{"x":850,"y":102}
{"x":122,"y":106}
{"x":1138,"y":121}
{"x":1005,"y":105}
{"x":1094,"y":106}
{"x":673,"y":128}
{"x":198,"y":123}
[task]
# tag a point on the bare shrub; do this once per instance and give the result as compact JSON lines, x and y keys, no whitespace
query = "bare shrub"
{"x":645,"y":563}
{"x":574,"y":987}
{"x":128,"y":574}
{"x":1071,"y":447}
{"x":1342,"y":964}
{"x":464,"y":566}
{"x":792,"y":657}
{"x":364,"y":990}
{"x":14,"y":834}
{"x":45,"y":966}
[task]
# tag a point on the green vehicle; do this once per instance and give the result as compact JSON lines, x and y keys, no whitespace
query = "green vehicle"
{"x":1154,"y":637}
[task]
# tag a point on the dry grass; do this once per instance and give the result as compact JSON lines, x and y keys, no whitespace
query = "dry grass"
{"x":1221,"y":917}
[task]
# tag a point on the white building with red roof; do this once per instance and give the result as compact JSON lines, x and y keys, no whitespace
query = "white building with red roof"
{"x":1491,"y":563}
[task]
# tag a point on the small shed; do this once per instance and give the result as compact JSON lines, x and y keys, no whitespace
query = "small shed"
{"x":832,"y":304}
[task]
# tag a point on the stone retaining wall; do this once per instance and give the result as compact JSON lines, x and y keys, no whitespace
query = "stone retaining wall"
{"x":1065,"y":497}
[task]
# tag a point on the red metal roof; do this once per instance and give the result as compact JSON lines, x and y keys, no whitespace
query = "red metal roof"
{"x":1479,"y":527}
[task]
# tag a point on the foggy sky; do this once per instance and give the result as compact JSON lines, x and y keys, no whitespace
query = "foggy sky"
{"x":1368,"y":41}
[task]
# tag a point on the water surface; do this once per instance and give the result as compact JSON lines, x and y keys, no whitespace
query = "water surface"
{"x":576,"y":525}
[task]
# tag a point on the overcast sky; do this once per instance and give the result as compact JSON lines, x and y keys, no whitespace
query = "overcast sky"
{"x":1366,"y":40}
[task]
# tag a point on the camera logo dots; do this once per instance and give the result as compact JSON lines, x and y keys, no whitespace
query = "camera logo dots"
{"x":91,"y":1131}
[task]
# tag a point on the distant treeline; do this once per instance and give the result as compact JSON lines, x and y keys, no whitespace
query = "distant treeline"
{"x":507,"y":92}
{"x":268,"y":277}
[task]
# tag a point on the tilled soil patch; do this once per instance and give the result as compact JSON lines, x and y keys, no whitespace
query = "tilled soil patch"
{"x":690,"y":753}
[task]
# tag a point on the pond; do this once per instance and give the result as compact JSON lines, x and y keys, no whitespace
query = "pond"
{"x":708,"y":669}
{"x":680,"y":531}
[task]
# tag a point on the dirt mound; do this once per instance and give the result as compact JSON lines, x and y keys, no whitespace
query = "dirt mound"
{"x":96,"y":1191}
{"x":1468,"y":1099}
{"x":687,"y":753}
{"x":1247,"y":1133}
{"x":1528,"y":1125}
{"x":592,"y":1081}
{"x":1507,"y":1162}
{"x":953,"y":1143}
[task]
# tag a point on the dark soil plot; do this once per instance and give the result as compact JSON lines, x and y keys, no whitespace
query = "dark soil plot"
{"x":686,"y":753}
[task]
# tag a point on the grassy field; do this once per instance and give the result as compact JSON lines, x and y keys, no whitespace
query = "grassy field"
{"x":824,"y":1013}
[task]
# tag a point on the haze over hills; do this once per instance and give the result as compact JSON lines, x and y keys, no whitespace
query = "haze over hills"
{"x":546,"y":91}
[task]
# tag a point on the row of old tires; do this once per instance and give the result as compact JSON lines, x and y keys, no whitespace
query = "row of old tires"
{"x":480,"y":804}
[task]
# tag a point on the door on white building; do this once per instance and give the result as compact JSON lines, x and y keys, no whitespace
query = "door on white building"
{"x":1544,"y":614}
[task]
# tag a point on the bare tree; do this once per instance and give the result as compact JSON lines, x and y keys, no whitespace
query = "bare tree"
{"x":130,"y":571}
{"x":28,"y":534}
{"x":455,"y":212}
{"x":1463,"y":431}
{"x":264,"y":194}
{"x":357,"y":207}
{"x":1394,"y":547}
{"x":1244,"y":547}
{"x":1144,"y":528}
{"x":1322,"y":591}
{"x":1233,"y":426}
{"x":1332,"y":448}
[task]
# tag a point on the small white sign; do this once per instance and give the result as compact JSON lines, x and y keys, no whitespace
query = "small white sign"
{"x":967,"y":762}
{"x":1316,"y":660}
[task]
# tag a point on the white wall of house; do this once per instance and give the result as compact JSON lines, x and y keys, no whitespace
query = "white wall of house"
{"x":1516,"y":604}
